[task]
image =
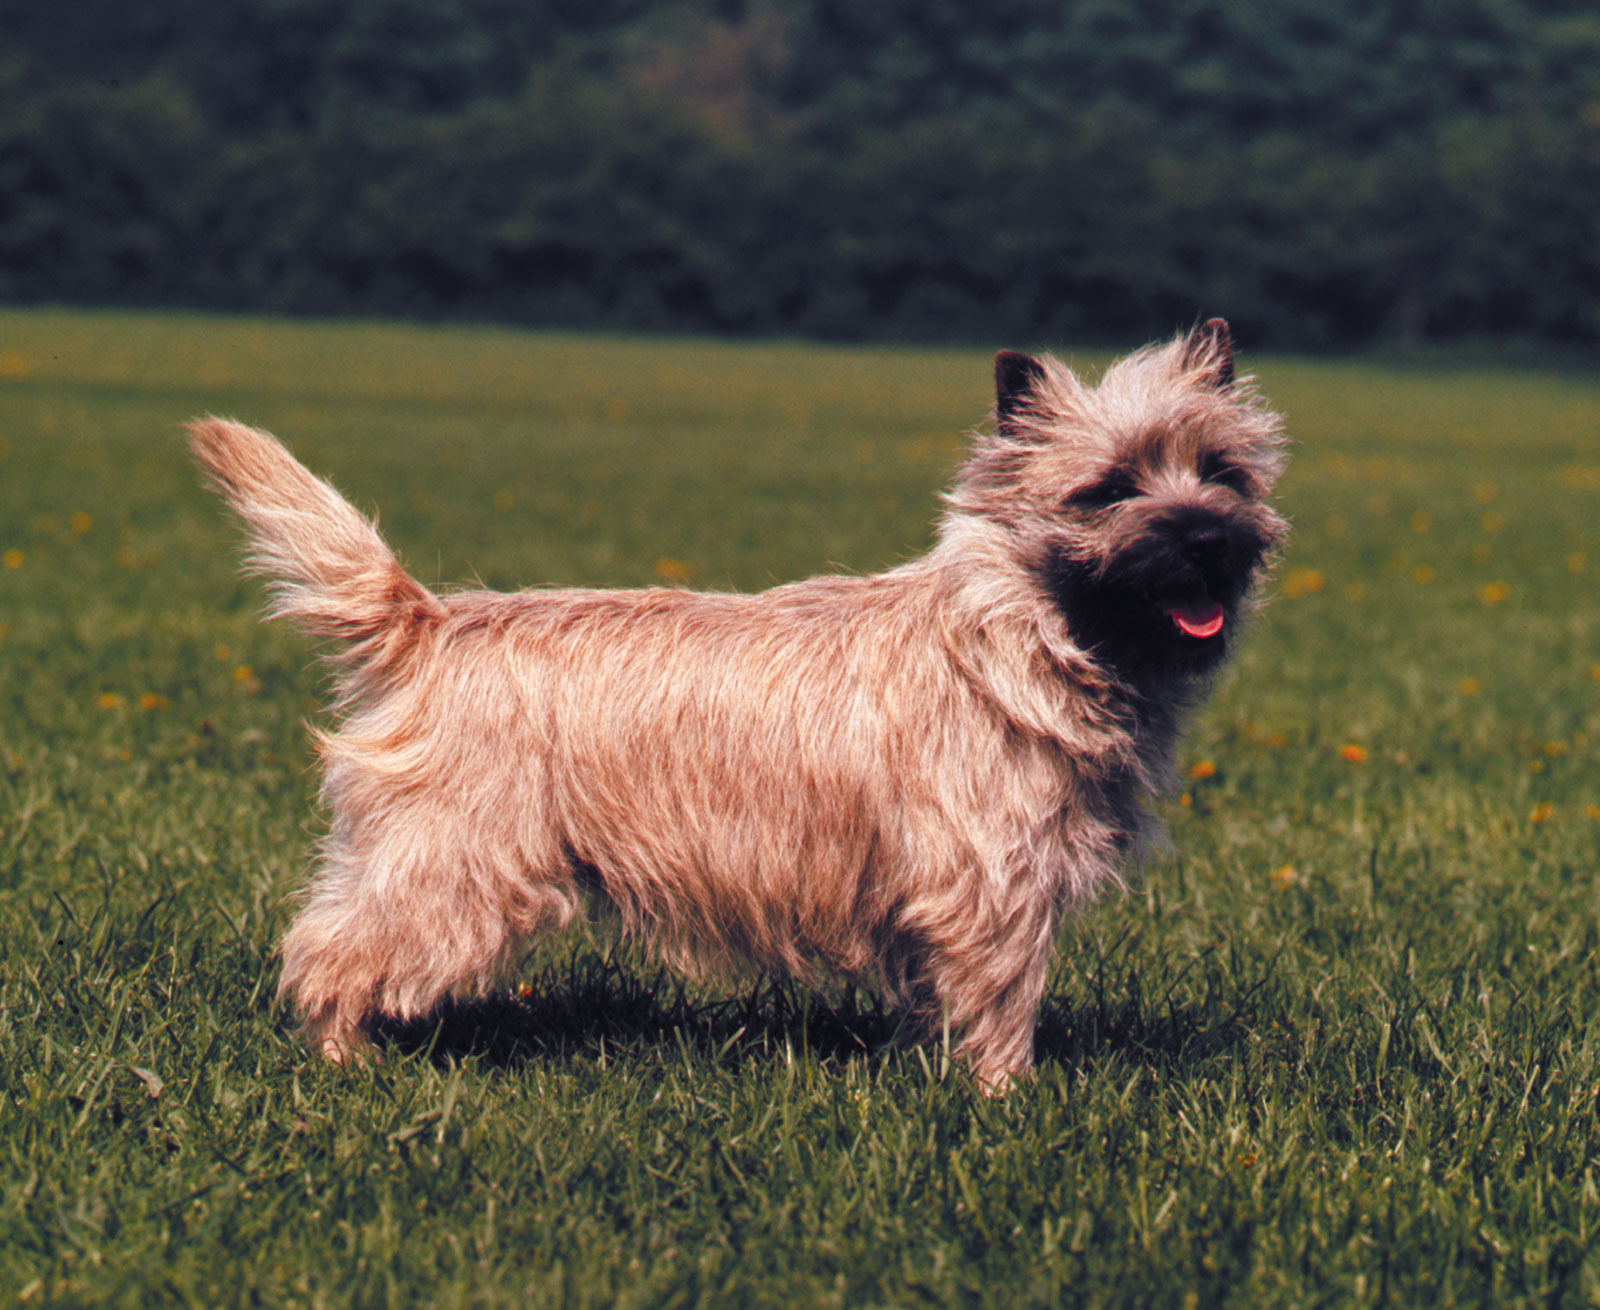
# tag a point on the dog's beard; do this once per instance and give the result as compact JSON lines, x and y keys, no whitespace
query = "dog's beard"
{"x":1165,"y":599}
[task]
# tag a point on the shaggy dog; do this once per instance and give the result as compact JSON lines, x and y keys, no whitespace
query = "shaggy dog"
{"x":904,"y":779}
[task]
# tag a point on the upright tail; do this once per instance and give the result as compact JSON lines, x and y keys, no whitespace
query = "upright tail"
{"x":329,"y":570}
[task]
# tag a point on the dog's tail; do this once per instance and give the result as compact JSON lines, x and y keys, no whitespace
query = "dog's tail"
{"x":329,"y":570}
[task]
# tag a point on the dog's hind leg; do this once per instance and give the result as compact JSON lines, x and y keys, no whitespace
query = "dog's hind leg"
{"x":414,"y":914}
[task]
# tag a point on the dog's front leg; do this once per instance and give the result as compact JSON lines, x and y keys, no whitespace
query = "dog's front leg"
{"x":986,"y":978}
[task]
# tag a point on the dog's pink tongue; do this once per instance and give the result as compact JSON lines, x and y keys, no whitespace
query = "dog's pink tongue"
{"x":1202,"y":620}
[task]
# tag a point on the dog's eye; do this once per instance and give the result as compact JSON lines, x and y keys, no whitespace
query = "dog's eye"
{"x":1116,"y":487}
{"x":1214,"y":468}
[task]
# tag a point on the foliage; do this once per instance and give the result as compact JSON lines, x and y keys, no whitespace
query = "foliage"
{"x":1093,"y":168}
{"x":1340,"y":1046}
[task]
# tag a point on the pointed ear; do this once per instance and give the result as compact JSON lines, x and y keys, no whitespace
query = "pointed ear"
{"x":1211,"y":346}
{"x":1016,"y":378}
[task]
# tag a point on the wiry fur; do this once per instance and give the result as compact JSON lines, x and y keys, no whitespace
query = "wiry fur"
{"x":903,"y":778}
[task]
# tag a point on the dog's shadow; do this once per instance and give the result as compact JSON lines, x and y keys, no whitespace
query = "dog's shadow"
{"x":603,"y":1007}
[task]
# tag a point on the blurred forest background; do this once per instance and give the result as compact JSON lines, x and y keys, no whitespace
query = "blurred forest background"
{"x":1022,"y":169}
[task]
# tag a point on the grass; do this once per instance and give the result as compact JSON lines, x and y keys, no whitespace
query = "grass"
{"x":1340,"y":1046}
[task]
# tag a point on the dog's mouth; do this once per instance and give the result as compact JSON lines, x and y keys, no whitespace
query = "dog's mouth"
{"x":1164,"y":602}
{"x":1200,"y":619}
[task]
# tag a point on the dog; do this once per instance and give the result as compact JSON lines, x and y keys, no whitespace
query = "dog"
{"x":906,"y":779}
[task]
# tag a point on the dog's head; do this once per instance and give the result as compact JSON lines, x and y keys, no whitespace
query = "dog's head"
{"x":1137,"y":504}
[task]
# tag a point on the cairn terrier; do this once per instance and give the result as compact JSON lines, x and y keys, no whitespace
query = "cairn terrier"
{"x":904,"y":779}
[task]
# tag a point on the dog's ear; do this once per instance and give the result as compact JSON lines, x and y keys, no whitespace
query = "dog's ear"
{"x":1016,"y":376}
{"x":1210,"y":346}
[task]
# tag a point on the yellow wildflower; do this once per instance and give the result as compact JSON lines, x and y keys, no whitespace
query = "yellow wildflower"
{"x":1302,"y":582}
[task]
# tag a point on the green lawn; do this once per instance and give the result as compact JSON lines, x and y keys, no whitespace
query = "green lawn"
{"x":1340,"y":1045}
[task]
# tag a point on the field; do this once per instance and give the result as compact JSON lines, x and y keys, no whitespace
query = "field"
{"x":1339,"y":1046}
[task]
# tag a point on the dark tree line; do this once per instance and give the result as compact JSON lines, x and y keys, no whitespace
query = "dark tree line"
{"x":917,"y":168}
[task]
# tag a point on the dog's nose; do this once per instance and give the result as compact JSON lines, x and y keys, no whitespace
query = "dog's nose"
{"x":1206,"y":544}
